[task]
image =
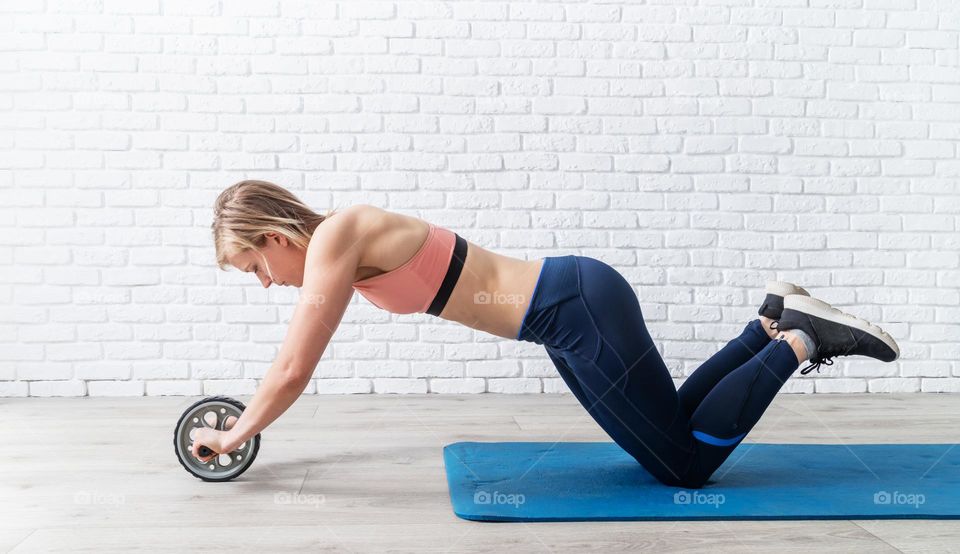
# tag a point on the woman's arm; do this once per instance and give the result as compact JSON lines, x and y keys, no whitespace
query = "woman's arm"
{"x":327,"y":289}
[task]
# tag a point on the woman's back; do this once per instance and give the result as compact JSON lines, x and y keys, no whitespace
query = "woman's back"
{"x":491,"y":293}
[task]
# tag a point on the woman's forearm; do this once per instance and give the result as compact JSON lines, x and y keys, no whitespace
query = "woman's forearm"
{"x":277,"y":392}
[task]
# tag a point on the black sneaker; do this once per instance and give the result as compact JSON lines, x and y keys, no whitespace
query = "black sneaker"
{"x":835,"y":333}
{"x":772,"y":306}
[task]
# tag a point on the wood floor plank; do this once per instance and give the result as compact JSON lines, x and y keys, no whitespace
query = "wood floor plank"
{"x":663,"y":537}
{"x":365,"y":473}
{"x":907,"y":536}
{"x":12,"y":537}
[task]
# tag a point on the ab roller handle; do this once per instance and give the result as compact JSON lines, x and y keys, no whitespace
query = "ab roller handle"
{"x":212,"y":412}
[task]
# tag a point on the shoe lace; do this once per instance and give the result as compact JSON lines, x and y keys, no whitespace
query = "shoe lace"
{"x":775,"y":324}
{"x":816,"y":365}
{"x":826,"y":360}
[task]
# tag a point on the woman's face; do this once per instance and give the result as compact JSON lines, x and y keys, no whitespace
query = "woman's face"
{"x":277,"y":261}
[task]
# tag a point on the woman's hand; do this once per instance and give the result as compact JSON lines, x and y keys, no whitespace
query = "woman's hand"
{"x":213,"y":439}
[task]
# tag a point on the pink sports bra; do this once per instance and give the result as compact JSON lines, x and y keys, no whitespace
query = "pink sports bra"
{"x":424,"y":282}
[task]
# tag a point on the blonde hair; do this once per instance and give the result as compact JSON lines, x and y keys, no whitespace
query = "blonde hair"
{"x":245,"y":212}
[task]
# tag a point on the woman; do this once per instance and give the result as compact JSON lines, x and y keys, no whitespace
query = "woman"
{"x":580,"y":309}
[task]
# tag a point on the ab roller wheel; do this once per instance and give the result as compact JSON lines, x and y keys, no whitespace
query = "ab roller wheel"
{"x":212,"y":412}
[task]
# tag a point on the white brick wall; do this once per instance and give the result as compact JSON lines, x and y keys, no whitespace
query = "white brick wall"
{"x":699,"y":146}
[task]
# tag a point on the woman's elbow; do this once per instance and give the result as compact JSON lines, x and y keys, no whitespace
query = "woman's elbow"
{"x":297,"y":379}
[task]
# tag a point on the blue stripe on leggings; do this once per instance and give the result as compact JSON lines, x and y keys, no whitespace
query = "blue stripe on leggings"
{"x":710,"y":439}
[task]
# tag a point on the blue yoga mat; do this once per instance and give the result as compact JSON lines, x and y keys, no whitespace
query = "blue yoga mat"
{"x":598,"y":481}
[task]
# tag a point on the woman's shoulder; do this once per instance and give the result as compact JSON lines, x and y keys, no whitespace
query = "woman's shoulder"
{"x":374,"y":221}
{"x":382,"y":239}
{"x":359,"y":211}
{"x":357,"y":227}
{"x":344,"y":224}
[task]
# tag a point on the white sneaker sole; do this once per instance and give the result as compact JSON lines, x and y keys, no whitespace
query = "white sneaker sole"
{"x":783,"y":288}
{"x":821,"y":309}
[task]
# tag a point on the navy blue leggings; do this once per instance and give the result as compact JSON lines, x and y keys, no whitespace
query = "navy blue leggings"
{"x":588,"y":318}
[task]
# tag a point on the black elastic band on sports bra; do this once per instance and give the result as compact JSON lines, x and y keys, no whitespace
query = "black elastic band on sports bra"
{"x":450,"y":279}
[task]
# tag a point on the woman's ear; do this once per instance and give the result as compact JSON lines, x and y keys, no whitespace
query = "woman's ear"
{"x":277,"y":238}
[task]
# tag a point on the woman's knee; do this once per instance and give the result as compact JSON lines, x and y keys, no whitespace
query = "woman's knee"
{"x":680,"y":480}
{"x":696,"y":482}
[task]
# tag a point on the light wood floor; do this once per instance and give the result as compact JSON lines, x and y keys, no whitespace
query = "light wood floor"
{"x":99,"y":475}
